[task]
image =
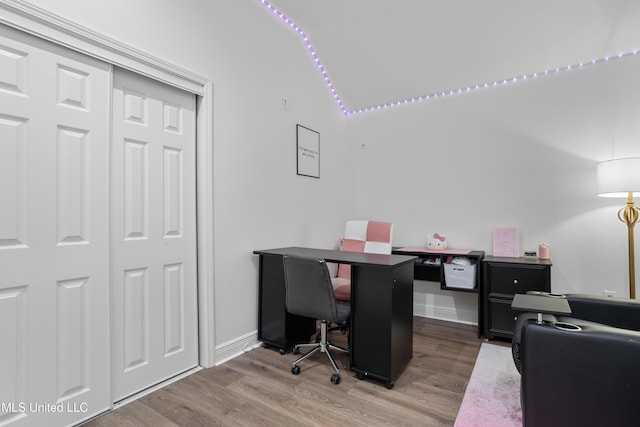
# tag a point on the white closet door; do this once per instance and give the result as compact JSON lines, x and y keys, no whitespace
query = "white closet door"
{"x":54,"y":290}
{"x":153,"y":233}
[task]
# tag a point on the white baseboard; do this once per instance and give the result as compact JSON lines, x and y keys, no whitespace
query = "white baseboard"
{"x":230,"y":349}
{"x":233,"y":348}
{"x":468,"y":317}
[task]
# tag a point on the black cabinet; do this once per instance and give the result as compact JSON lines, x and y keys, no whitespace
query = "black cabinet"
{"x":381,"y":321}
{"x":277,"y":327}
{"x":503,"y":278}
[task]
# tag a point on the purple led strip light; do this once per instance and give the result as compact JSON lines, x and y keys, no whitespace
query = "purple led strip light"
{"x":496,"y":83}
{"x":307,"y":43}
{"x":434,"y":95}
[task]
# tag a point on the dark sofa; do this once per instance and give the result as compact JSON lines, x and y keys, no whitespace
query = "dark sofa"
{"x":583,"y":369}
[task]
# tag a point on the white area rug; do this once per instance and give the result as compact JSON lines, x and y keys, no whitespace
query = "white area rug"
{"x":492,"y":398}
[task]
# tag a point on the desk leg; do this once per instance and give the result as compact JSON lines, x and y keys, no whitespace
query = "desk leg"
{"x":382,"y":321}
{"x":276,"y":327}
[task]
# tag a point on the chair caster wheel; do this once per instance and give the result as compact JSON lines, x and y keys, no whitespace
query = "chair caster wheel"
{"x":295,"y":370}
{"x":282,"y":351}
{"x":296,"y":350}
{"x":359,"y":375}
{"x":389,"y":384}
{"x":335,"y":378}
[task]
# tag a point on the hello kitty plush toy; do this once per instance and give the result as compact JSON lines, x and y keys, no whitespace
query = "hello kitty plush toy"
{"x":437,"y":242}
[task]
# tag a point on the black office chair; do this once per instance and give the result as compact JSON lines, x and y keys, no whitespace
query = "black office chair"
{"x":309,"y":293}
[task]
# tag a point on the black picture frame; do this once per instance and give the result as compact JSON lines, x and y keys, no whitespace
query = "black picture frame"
{"x":307,"y":152}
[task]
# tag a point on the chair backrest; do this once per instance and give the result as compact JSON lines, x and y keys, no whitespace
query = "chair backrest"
{"x":365,"y":236}
{"x":309,"y":291}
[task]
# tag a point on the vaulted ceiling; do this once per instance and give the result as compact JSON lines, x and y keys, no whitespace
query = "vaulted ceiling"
{"x":377,"y":52}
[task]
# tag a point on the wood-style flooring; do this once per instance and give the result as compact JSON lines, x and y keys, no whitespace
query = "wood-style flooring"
{"x":258,"y":389}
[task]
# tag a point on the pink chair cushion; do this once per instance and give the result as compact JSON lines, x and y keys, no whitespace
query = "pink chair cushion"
{"x":348,"y":245}
{"x":343,"y":293}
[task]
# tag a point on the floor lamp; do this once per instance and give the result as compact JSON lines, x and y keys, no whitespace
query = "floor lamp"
{"x":621,"y":178}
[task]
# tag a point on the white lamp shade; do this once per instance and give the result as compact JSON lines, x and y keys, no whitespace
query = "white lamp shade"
{"x":618,"y":177}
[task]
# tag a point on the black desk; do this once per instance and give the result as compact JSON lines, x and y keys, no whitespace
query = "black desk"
{"x":381,"y":333}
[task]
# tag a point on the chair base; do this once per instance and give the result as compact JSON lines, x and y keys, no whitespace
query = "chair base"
{"x":323,"y":346}
{"x":342,"y":327}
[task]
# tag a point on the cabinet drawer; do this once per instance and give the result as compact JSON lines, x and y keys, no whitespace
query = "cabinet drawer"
{"x":502,"y":317}
{"x":516,"y":279}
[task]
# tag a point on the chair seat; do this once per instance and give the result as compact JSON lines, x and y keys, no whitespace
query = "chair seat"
{"x":341,"y":288}
{"x":344,"y":309}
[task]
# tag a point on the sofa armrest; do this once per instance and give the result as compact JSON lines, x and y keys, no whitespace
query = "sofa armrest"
{"x":579,"y":378}
{"x":618,"y":312}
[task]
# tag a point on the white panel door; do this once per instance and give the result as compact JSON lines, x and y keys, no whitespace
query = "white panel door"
{"x":153,"y":233}
{"x":54,"y":271}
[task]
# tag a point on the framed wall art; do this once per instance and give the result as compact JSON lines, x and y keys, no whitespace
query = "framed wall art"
{"x":308,"y":151}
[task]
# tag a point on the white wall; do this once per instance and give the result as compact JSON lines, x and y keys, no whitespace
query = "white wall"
{"x":521,"y":155}
{"x":260,"y":202}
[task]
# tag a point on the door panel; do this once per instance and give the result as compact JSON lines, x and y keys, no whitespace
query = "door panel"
{"x":154,"y":239}
{"x":54,"y":271}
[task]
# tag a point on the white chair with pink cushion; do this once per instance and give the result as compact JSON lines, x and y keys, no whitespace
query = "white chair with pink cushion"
{"x":361,"y":236}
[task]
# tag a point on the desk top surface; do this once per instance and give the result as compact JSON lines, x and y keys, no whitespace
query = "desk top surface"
{"x":517,"y":260}
{"x":341,"y":256}
{"x":432,"y":252}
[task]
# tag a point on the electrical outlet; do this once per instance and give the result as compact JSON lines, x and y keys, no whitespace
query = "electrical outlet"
{"x":609,"y":293}
{"x":285,"y":104}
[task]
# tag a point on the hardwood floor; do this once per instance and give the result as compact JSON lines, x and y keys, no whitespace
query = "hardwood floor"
{"x":258,"y":389}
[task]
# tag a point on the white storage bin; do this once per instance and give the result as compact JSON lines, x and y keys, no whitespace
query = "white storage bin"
{"x":460,"y":276}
